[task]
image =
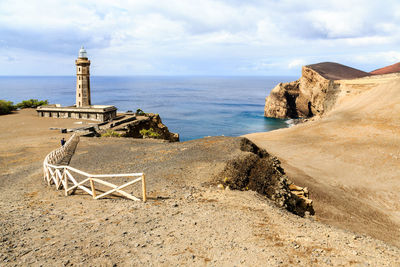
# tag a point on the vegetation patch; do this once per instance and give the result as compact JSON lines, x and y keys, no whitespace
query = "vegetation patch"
{"x":32,"y":103}
{"x":111,"y":133}
{"x":6,"y":107}
{"x":140,"y":112}
{"x":150,"y":133}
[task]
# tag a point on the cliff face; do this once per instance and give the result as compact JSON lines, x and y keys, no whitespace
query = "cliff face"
{"x":317,"y":94}
{"x":281,"y":103}
{"x":150,"y":126}
{"x":313,"y":94}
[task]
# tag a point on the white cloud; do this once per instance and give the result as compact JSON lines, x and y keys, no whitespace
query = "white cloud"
{"x":336,"y":24}
{"x":387,"y":57}
{"x":296,"y":63}
{"x":158,"y":36}
{"x":368,"y":41}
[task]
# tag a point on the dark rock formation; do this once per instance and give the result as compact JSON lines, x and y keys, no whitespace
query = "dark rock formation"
{"x":313,"y":94}
{"x":254,"y":169}
{"x":150,"y":126}
{"x":145,"y":125}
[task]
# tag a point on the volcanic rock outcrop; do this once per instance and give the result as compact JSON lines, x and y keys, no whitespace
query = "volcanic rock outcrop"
{"x":143,"y":125}
{"x":255,"y":169}
{"x":281,"y":103}
{"x":313,"y":94}
{"x":150,"y":126}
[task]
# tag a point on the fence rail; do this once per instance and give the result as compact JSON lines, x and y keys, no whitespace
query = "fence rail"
{"x":63,"y":176}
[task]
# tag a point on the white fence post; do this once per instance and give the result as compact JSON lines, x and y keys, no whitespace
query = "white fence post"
{"x":144,"y":187}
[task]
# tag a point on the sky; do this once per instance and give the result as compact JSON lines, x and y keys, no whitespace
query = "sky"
{"x":192,"y":37}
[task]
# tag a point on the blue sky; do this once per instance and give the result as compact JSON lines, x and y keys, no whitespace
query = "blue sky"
{"x":174,"y":37}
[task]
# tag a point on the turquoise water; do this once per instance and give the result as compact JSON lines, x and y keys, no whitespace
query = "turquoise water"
{"x":194,"y":107}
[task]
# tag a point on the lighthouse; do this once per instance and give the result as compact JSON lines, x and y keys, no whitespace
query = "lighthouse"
{"x":82,"y":79}
{"x":83,"y":108}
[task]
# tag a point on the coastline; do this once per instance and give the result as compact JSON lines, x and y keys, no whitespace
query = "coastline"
{"x":189,"y":106}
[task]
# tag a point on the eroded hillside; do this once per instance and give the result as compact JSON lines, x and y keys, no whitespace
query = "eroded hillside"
{"x":349,"y":158}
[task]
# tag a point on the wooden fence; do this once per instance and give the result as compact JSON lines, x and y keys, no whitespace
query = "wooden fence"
{"x":66,"y":176}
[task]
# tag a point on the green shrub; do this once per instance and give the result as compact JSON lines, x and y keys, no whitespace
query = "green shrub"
{"x":6,"y":107}
{"x":111,"y":133}
{"x":31,"y":103}
{"x":149,"y":133}
{"x":140,"y":112}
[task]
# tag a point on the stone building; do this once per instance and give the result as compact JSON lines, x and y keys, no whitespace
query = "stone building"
{"x":83,"y":109}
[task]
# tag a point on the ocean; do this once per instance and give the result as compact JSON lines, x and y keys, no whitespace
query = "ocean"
{"x":193,"y":106}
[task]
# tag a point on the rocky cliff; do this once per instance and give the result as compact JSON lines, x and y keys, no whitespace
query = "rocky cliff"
{"x":313,"y":94}
{"x":143,"y":125}
{"x":281,"y":103}
{"x":149,"y":126}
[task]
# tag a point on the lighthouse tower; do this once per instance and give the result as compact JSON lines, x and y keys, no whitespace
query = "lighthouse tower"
{"x":82,"y":79}
{"x":83,"y":108}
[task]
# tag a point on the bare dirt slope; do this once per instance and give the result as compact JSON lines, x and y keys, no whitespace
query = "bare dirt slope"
{"x":388,"y":69}
{"x":350,"y":159}
{"x":184,"y":222}
{"x":23,"y":133}
{"x":336,"y":71}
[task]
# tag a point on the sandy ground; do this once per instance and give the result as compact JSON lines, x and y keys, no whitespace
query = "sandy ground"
{"x":26,"y":138}
{"x":185,"y":222}
{"x":349,"y":159}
